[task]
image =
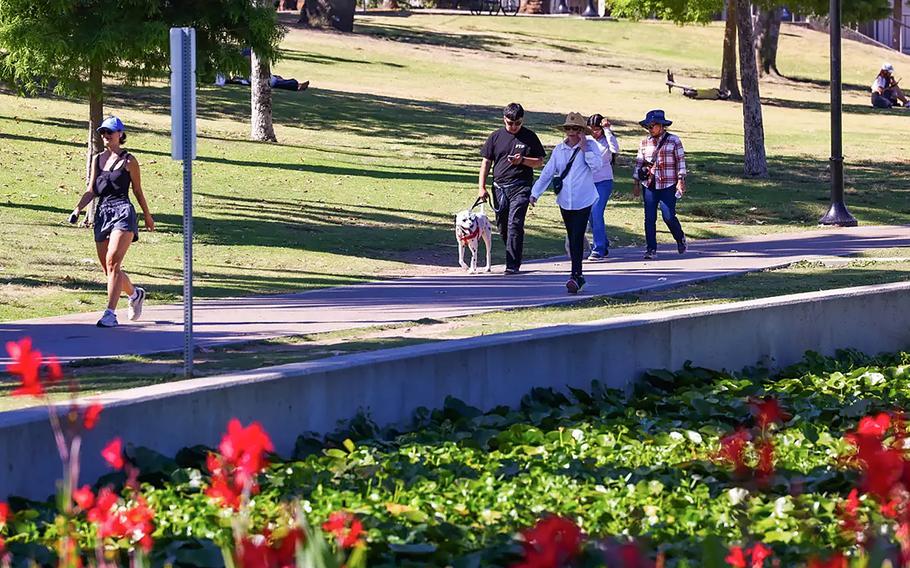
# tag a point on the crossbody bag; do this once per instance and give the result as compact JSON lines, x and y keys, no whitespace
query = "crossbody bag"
{"x":557,"y":180}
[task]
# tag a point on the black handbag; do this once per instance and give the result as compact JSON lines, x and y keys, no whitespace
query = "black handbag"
{"x":557,"y":180}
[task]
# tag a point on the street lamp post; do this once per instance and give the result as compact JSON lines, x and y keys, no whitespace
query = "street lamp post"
{"x":837,"y":214}
{"x":562,"y":8}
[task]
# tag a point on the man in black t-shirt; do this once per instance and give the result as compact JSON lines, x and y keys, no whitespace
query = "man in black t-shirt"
{"x":514,"y":152}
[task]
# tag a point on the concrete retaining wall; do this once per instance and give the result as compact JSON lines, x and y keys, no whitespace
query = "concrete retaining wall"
{"x":482,"y":371}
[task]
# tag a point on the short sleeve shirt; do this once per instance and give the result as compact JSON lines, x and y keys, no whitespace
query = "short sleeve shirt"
{"x":502,"y":144}
{"x":879,"y":83}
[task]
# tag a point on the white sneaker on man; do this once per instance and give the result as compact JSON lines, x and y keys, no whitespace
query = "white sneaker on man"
{"x":109,"y":319}
{"x":134,"y":309}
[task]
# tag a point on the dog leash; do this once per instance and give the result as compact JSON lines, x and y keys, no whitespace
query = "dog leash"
{"x":477,"y":202}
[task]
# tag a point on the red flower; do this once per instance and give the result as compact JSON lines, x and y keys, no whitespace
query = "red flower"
{"x":244,"y":449}
{"x":103,"y":504}
{"x":242,"y":459}
{"x":768,"y":411}
{"x":262,"y":551}
{"x":221,"y":489}
{"x":92,"y":413}
{"x":736,"y":558}
{"x":113,"y":453}
{"x":733,"y":450}
{"x":875,"y":427}
{"x":553,"y":542}
{"x":837,"y":560}
{"x":285,"y":554}
{"x":84,"y":497}
{"x":26,"y":363}
{"x":765,"y":466}
{"x":850,"y":513}
{"x":4,"y":513}
{"x":759,"y":553}
{"x":345,"y":528}
{"x":54,"y":371}
{"x":254,"y":552}
{"x":134,"y":523}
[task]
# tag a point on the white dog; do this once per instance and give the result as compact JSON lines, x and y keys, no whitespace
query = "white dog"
{"x":470,"y":227}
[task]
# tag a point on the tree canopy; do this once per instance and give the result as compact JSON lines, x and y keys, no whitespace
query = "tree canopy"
{"x":703,"y":11}
{"x":57,"y":43}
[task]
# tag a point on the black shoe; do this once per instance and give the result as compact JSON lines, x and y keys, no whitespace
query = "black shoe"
{"x":650,"y":254}
{"x":511,"y":271}
{"x":682,"y":246}
{"x":572,"y":285}
{"x":581,"y":282}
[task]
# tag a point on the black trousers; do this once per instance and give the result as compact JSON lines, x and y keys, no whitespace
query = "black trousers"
{"x":510,"y":218}
{"x":576,"y":222}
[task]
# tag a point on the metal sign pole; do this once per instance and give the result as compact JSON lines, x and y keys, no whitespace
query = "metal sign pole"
{"x":183,"y":147}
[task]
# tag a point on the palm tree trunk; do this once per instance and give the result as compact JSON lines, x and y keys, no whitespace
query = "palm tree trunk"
{"x":755,"y":162}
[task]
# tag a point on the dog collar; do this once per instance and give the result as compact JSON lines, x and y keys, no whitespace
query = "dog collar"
{"x":471,"y":236}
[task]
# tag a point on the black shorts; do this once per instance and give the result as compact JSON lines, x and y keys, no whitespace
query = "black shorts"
{"x":119,"y":216}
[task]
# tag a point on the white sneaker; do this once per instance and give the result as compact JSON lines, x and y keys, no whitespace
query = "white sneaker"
{"x":134,"y":310}
{"x":109,"y":319}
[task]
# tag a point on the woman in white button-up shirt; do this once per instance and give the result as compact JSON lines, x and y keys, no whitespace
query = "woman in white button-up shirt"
{"x":578,"y":193}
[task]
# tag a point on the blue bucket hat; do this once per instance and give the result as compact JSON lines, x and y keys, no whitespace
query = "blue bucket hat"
{"x":655,"y":117}
{"x":113,"y":124}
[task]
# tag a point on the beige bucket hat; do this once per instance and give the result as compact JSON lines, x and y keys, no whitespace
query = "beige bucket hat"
{"x":575,"y":119}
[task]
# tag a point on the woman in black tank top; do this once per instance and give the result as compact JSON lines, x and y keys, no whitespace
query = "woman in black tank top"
{"x":116,"y":225}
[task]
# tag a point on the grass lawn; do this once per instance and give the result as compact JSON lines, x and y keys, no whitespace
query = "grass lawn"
{"x":379,"y":153}
{"x":102,"y":375}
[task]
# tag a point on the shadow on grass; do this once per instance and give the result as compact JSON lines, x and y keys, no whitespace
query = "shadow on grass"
{"x":797,"y":193}
{"x":319,"y":59}
{"x":826,"y":107}
{"x":462,"y":39}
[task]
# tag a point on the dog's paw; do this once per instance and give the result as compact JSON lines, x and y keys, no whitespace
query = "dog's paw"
{"x":463,"y":265}
{"x":488,"y":269}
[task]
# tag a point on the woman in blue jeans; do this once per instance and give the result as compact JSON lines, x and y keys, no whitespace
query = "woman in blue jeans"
{"x":606,"y":143}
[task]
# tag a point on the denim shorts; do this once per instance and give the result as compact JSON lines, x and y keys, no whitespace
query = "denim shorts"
{"x":119,"y":216}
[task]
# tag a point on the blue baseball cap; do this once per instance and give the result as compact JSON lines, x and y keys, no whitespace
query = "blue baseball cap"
{"x":113,"y":124}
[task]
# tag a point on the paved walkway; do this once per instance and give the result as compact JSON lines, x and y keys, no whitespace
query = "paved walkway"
{"x":450,"y":294}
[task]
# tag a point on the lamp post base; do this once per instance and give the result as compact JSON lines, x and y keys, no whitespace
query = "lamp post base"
{"x":839,"y":216}
{"x":590,"y":11}
{"x":562,"y":8}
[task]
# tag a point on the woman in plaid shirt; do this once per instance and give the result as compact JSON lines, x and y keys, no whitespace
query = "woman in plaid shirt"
{"x":660,"y":169}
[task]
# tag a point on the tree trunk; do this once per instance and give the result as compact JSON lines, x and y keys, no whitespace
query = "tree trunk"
{"x":95,"y":118}
{"x":897,"y":30}
{"x":338,"y":14}
{"x":767,"y":39}
{"x":755,"y":162}
{"x":261,"y":100}
{"x":728,"y":68}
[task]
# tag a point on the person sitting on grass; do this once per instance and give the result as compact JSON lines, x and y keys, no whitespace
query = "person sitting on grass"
{"x":885,"y":92}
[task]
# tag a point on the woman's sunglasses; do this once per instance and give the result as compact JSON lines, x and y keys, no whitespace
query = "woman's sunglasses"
{"x":105,"y":131}
{"x":573,"y":129}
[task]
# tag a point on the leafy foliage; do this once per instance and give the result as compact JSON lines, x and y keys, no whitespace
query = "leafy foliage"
{"x":55,"y":43}
{"x":455,"y":487}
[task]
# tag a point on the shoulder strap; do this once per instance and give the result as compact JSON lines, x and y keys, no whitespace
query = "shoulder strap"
{"x":565,"y":172}
{"x":659,"y":146}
